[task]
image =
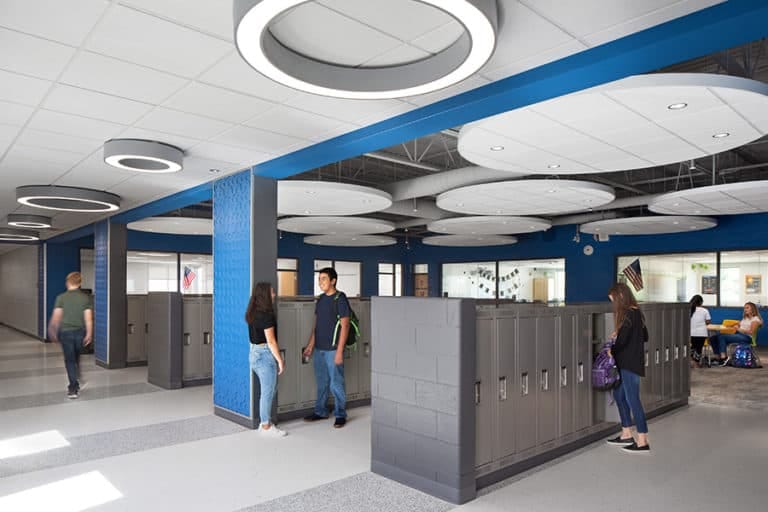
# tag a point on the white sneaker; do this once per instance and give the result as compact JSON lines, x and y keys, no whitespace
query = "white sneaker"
{"x":272,"y":431}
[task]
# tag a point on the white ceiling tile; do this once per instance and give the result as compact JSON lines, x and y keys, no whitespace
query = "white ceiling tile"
{"x":96,"y":105}
{"x":7,"y":134}
{"x":58,"y":141}
{"x":136,"y":37}
{"x":135,"y":190}
{"x":48,"y":120}
{"x":94,"y":173}
{"x":33,"y":56}
{"x":209,"y":101}
{"x":14,"y":114}
{"x":67,"y":22}
{"x":551,"y":55}
{"x":233,"y":73}
{"x":325,"y":35}
{"x":296,"y":123}
{"x":96,"y":72}
{"x":22,"y":89}
{"x":17,"y":170}
{"x":473,"y":82}
{"x":200,"y":168}
{"x":359,"y":112}
{"x":181,"y":123}
{"x":179,"y":141}
{"x":59,"y":159}
{"x":258,"y":140}
{"x":230,"y":154}
{"x":438,"y":38}
{"x":203,"y":15}
{"x":402,"y":54}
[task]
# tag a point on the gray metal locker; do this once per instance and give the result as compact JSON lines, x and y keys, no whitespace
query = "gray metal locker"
{"x":646,"y":384}
{"x":525,"y":407}
{"x":584,"y":404}
{"x":566,"y":335}
{"x":352,"y":363}
{"x":137,"y":329}
{"x":483,"y":392}
{"x":666,"y":354}
{"x":504,"y":387}
{"x":546,"y":374}
{"x":206,"y":327}
{"x":685,"y":369}
{"x":192,"y":339}
{"x":287,"y":340}
{"x":364,"y":348}
{"x":656,"y":346}
{"x":307,"y":385}
{"x":164,"y":356}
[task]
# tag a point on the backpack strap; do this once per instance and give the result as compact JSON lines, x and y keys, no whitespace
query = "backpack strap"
{"x":338,"y":318}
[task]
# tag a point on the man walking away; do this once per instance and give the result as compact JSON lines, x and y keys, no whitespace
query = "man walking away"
{"x":327,"y":341}
{"x":71,"y":325}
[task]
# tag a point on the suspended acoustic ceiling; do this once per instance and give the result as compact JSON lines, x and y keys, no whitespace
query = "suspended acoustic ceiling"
{"x":526,"y":197}
{"x":489,"y":225}
{"x":350,"y":240}
{"x":22,"y":220}
{"x":143,"y":155}
{"x":70,"y":199}
{"x":389,"y":59}
{"x":468,"y":240}
{"x":727,"y":199}
{"x":18,"y":235}
{"x":334,"y":225}
{"x":174,"y":225}
{"x":649,"y":225}
{"x":329,"y":198}
{"x":638,"y":122}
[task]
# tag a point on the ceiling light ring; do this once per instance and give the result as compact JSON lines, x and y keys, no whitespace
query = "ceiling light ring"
{"x":18,"y":235}
{"x":453,"y":64}
{"x":142,"y":155}
{"x":27,"y":221}
{"x":35,"y":195}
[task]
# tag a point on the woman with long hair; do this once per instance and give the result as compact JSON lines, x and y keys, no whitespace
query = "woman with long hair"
{"x":628,"y":351}
{"x":264,"y":358}
{"x":750,"y":322}
{"x":700,"y":318}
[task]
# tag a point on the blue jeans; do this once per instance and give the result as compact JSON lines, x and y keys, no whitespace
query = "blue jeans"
{"x":720,"y":342}
{"x":627,"y":397}
{"x":264,"y":366}
{"x":327,"y":372}
{"x":72,"y":345}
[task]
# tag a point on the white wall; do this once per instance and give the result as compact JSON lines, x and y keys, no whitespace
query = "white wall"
{"x":18,"y":288}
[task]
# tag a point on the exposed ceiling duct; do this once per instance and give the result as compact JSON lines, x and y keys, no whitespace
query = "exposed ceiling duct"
{"x":434,"y":184}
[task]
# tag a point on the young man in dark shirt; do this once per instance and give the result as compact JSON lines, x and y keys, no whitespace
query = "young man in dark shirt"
{"x":327,"y":341}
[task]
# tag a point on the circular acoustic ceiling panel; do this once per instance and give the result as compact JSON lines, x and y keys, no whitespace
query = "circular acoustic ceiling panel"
{"x":350,"y":240}
{"x":489,"y":225}
{"x":69,"y":199}
{"x":388,"y":59}
{"x":649,"y":225}
{"x":638,"y":122}
{"x":468,"y":240}
{"x":526,"y":197}
{"x":328,"y":198}
{"x":334,"y":225}
{"x":174,"y":225}
{"x":727,"y":199}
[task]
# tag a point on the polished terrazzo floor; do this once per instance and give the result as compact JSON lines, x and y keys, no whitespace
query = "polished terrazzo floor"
{"x":127,"y":445}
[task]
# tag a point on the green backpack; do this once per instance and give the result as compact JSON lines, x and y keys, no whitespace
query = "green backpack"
{"x":354,"y":323}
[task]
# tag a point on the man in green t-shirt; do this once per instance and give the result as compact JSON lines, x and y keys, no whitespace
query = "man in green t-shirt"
{"x":72,"y":325}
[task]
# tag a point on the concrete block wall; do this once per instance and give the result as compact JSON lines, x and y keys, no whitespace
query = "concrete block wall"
{"x":423,"y":418}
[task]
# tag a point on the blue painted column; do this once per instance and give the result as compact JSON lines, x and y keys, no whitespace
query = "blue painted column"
{"x":110,"y":305}
{"x":244,"y":253}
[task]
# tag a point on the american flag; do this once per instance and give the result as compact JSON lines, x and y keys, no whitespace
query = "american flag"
{"x":189,"y":276}
{"x":634,"y":275}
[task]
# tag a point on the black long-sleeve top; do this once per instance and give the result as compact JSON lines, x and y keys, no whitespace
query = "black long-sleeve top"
{"x":628,"y":349}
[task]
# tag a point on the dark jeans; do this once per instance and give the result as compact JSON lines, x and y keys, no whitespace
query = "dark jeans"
{"x":72,"y":345}
{"x":627,"y":397}
{"x":720,"y":342}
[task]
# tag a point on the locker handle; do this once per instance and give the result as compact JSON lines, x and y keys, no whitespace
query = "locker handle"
{"x":545,"y":380}
{"x":502,"y":388}
{"x":304,"y":359}
{"x":366,"y":349}
{"x":206,"y":338}
{"x":685,"y":351}
{"x":347,"y":354}
{"x":581,"y":372}
{"x":646,"y":359}
{"x":282,"y":354}
{"x":477,"y":392}
{"x":677,"y":352}
{"x":666,"y":354}
{"x":131,"y":329}
{"x":657,"y":356}
{"x":146,"y":328}
{"x":187,"y":339}
{"x":524,"y":384}
{"x":564,"y":376}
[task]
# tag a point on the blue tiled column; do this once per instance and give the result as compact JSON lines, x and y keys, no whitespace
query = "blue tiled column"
{"x":244,"y":253}
{"x":110,"y":309}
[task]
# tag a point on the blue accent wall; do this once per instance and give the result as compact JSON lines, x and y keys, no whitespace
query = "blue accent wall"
{"x":42,"y":318}
{"x":145,"y":241}
{"x":62,"y":258}
{"x":231,"y":288}
{"x":101,"y":289}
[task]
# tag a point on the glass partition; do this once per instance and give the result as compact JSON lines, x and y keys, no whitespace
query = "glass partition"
{"x":196,"y":274}
{"x":541,"y":281}
{"x":151,"y":272}
{"x":475,"y":280}
{"x":349,"y":272}
{"x":674,"y":277}
{"x":741,"y":277}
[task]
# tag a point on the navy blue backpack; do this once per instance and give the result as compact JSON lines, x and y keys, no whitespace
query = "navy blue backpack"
{"x":744,"y":357}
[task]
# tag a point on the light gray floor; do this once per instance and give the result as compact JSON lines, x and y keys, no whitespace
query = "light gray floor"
{"x":153,"y":449}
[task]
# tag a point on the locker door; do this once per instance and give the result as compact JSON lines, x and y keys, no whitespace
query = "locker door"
{"x":364,"y":349}
{"x":483,"y":392}
{"x":583,"y":370}
{"x":307,"y":386}
{"x":506,"y":387}
{"x":352,"y":364}
{"x":567,"y":336}
{"x":288,"y":341}
{"x":685,"y":369}
{"x":206,"y":337}
{"x":666,"y":353}
{"x":137,"y":335}
{"x":657,"y":347}
{"x":525,"y":420}
{"x":546,"y":373}
{"x":646,"y":384}
{"x":190,"y":338}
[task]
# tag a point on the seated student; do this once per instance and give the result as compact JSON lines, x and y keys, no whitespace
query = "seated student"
{"x":749,"y":324}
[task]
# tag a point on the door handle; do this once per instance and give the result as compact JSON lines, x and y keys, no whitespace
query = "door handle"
{"x":524,"y":384}
{"x":477,"y":392}
{"x":206,"y":338}
{"x":581,"y":372}
{"x":367,"y":349}
{"x":187,"y":339}
{"x":502,"y":388}
{"x":564,"y":376}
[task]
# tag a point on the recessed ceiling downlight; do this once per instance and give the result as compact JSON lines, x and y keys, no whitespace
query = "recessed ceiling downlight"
{"x":677,"y":106}
{"x":260,"y":48}
{"x":68,"y":199}
{"x":21,"y":220}
{"x":18,"y":235}
{"x":143,"y":155}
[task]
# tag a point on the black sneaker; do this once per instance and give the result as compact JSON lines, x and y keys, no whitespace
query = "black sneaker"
{"x":315,"y":417}
{"x":73,"y":394}
{"x":619,"y":441}
{"x":725,"y":362}
{"x":633,"y":448}
{"x":340,"y":422}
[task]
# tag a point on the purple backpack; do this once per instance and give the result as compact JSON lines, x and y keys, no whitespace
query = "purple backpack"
{"x":605,"y":375}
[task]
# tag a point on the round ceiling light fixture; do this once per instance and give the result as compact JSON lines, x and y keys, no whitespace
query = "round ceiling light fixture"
{"x":143,"y":155}
{"x":22,"y":220}
{"x":18,"y":235}
{"x":68,"y":199}
{"x":275,"y":58}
